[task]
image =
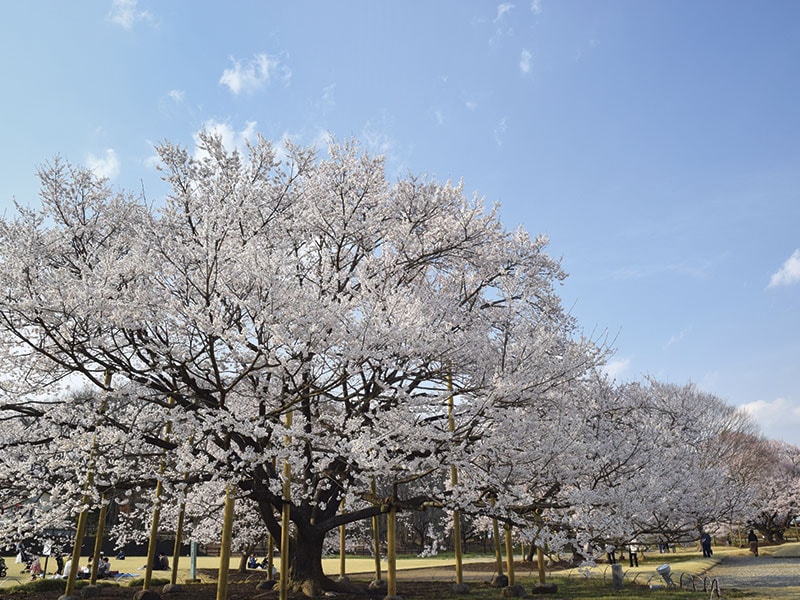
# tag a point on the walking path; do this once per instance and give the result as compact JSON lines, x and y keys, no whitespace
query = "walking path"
{"x":756,"y":572}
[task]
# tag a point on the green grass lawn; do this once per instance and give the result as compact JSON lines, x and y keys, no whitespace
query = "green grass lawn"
{"x":594,"y":583}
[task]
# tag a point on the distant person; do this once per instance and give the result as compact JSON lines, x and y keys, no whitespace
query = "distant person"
{"x":252,"y":563}
{"x":103,"y":568}
{"x":59,"y":563}
{"x":705,"y":543}
{"x":85,"y":572}
{"x":161,"y":562}
{"x":752,"y":538}
{"x":20,"y":550}
{"x":633,"y":553}
{"x":36,"y":568}
{"x":120,"y":555}
{"x":67,"y":566}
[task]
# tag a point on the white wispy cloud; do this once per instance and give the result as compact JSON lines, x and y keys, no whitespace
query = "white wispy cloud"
{"x":231,"y":139}
{"x":779,"y":418}
{"x":525,"y":61}
{"x":500,"y":131}
{"x":376,"y":137}
{"x":536,"y":7}
{"x":329,"y":96}
{"x":677,"y":337}
{"x":502,"y":10}
{"x":125,"y":13}
{"x":789,"y":273}
{"x":253,"y":74}
{"x":615,"y":368}
{"x":106,"y":166}
{"x":471,"y":104}
{"x":176,"y":95}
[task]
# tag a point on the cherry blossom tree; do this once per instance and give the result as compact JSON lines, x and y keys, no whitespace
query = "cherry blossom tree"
{"x":776,"y":487}
{"x":259,"y":289}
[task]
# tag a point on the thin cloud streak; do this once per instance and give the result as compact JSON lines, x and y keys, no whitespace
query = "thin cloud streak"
{"x":789,"y":273}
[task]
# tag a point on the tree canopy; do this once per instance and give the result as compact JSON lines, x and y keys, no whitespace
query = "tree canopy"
{"x":307,"y":311}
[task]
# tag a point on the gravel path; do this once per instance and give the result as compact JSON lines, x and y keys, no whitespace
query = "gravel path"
{"x":743,"y":572}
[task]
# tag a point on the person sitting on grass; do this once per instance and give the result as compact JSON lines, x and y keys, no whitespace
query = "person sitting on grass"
{"x":103,"y":568}
{"x":85,"y":572}
{"x":161,"y":562}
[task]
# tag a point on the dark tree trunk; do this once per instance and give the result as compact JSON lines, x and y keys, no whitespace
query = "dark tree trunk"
{"x":305,"y":563}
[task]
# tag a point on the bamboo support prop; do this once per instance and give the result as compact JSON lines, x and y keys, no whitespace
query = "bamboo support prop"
{"x":454,"y":482}
{"x":540,"y":560}
{"x":376,"y":537}
{"x":509,"y":554}
{"x":225,"y":548}
{"x":153,"y":539}
{"x":498,"y":553}
{"x":176,"y":548}
{"x":342,"y":547}
{"x":539,"y":551}
{"x":80,"y":527}
{"x":391,"y":552}
{"x":270,"y":556}
{"x":98,"y":539}
{"x":285,"y":515}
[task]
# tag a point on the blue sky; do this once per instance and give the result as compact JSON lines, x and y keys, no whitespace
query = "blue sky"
{"x":656,"y":143}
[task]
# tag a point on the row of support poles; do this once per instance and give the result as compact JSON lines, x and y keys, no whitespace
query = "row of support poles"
{"x":80,"y":528}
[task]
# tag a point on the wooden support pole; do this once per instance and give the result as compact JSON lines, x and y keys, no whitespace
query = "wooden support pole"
{"x":176,"y":549}
{"x":342,"y":547}
{"x":540,"y":560}
{"x":270,"y":556}
{"x":454,"y":483}
{"x":151,"y":544}
{"x":225,"y":548}
{"x":285,"y":519}
{"x":98,"y":539}
{"x":153,"y":539}
{"x":391,"y":552}
{"x":498,"y":554}
{"x":80,"y":531}
{"x":509,"y":554}
{"x":376,"y":537}
{"x":83,"y":517}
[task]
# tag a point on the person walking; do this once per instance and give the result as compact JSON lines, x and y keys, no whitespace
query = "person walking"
{"x":752,"y":538}
{"x":705,"y":542}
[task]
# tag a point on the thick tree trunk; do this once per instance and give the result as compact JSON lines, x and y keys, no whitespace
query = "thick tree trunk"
{"x":305,"y":564}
